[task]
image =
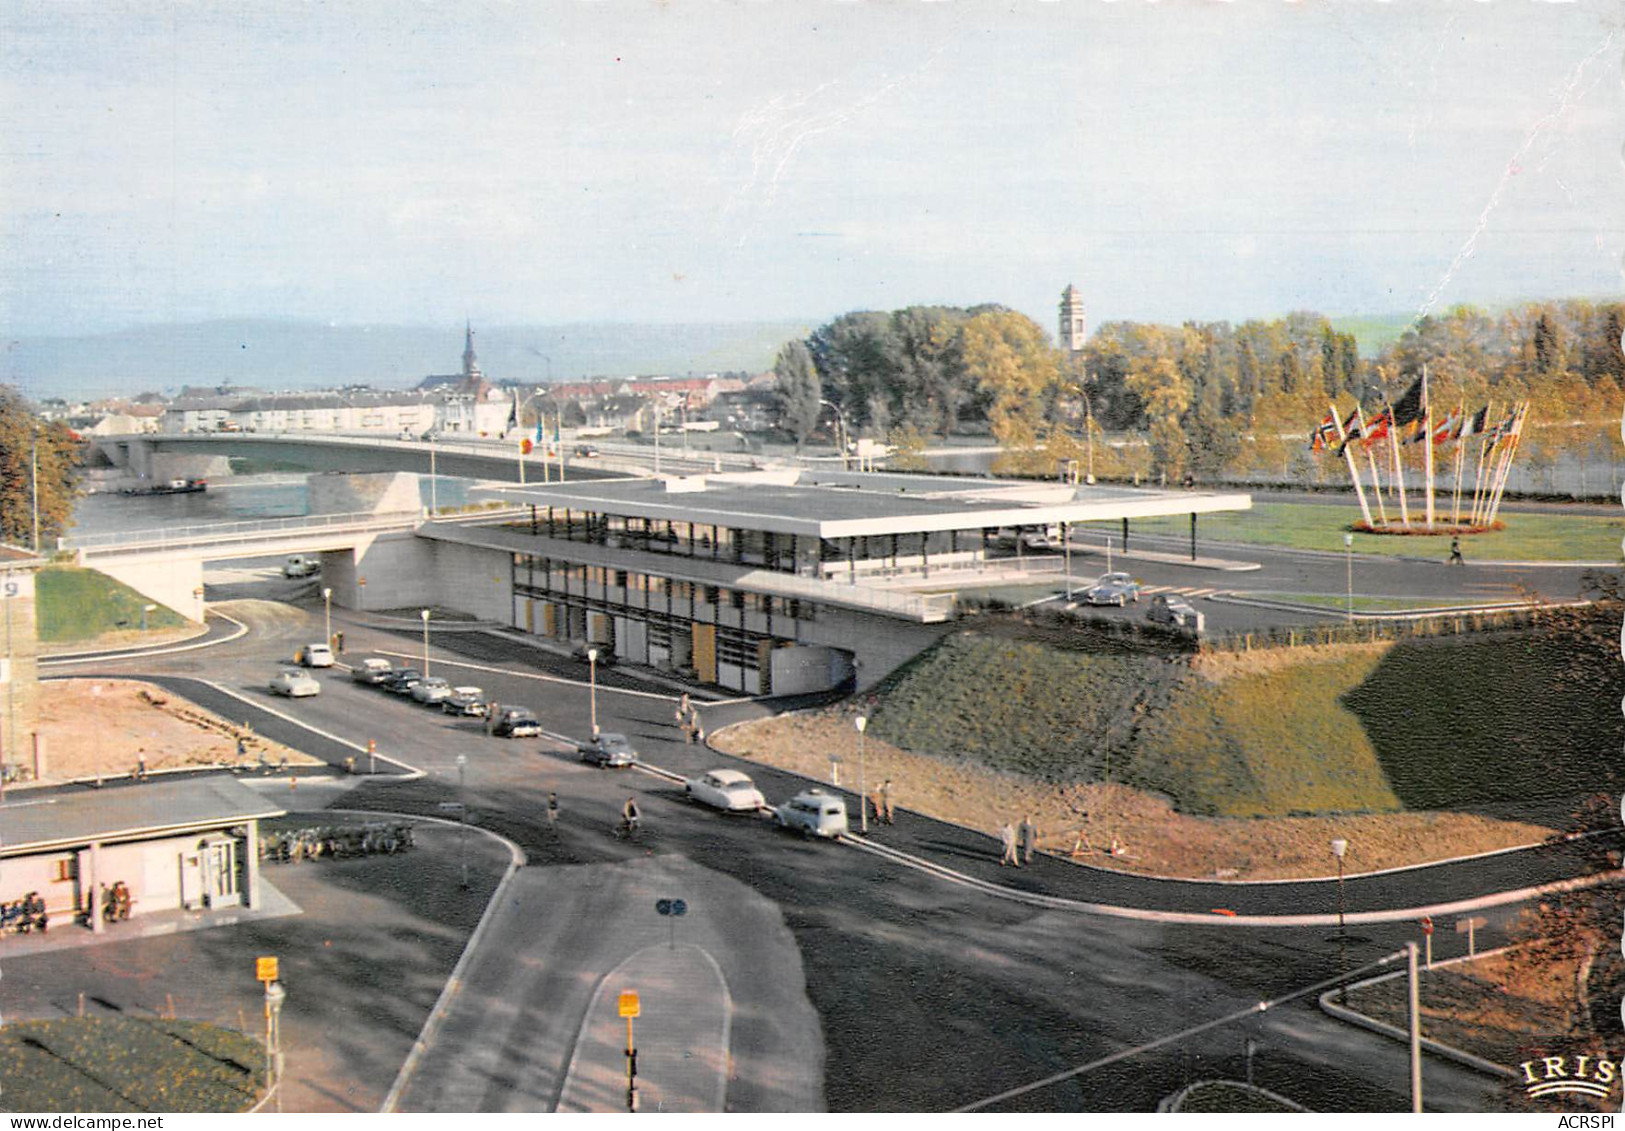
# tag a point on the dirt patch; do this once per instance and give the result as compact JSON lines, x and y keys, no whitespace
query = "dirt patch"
{"x":104,"y":726}
{"x":1151,"y":836}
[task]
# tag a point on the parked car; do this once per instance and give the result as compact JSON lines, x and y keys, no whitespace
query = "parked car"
{"x":315,"y":656}
{"x":517,"y":722}
{"x":813,"y":813}
{"x":1166,"y":609}
{"x":468,"y":702}
{"x":372,"y":670}
{"x":431,"y":689}
{"x":301,"y":566}
{"x":1113,"y":589}
{"x":729,"y":790}
{"x":295,"y":683}
{"x":586,"y":451}
{"x":609,"y":749}
{"x":401,"y":681}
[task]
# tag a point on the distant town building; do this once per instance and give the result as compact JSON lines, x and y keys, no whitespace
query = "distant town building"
{"x":1074,"y":327}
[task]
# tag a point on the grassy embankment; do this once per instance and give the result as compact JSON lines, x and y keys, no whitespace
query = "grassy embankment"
{"x":73,"y":605}
{"x":123,"y":1064}
{"x":1243,"y":764}
{"x":1310,"y":526}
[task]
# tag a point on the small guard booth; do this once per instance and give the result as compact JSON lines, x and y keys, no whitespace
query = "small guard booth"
{"x":189,"y":843}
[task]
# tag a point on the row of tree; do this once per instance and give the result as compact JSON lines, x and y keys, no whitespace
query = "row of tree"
{"x":34,"y":451}
{"x":1208,"y":398}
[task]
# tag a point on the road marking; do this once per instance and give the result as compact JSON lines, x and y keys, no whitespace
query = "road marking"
{"x":412,"y":772}
{"x":602,"y":689}
{"x":116,"y":656}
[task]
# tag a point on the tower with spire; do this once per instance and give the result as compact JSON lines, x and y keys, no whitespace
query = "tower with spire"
{"x":1074,"y":328}
{"x":472,"y":377}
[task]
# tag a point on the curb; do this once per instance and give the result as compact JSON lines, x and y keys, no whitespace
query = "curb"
{"x":437,"y":1013}
{"x":161,"y":650}
{"x":1170,"y":1104}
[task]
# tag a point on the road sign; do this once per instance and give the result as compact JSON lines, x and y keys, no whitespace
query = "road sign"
{"x":671,"y":907}
{"x":678,"y":907}
{"x":1427,"y":924}
{"x":265,"y":968}
{"x":663,"y":906}
{"x":629,"y":1003}
{"x":1470,"y":923}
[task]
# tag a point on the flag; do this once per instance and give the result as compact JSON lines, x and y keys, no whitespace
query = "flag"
{"x":1409,"y":407}
{"x":1474,"y":425}
{"x":1322,"y":436}
{"x":1447,"y":429}
{"x":1504,"y":429}
{"x":1377,"y":427}
{"x":1351,"y":431}
{"x":513,"y":414}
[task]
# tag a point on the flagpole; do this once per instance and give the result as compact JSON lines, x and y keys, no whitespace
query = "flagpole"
{"x":1354,"y":472}
{"x":1512,"y":451}
{"x":1399,"y":468}
{"x":1483,"y":449}
{"x":1427,"y":440}
{"x":1376,"y":480}
{"x":1455,"y":519}
{"x":1502,"y":466}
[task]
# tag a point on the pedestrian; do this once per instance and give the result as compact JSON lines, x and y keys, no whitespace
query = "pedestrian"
{"x":1007,"y":838}
{"x":1455,"y":553}
{"x":552,"y":810}
{"x":493,"y":712}
{"x":338,"y":640}
{"x":683,"y":708}
{"x":1029,"y":839}
{"x":242,"y":747}
{"x":140,"y":765}
{"x":886,"y":812}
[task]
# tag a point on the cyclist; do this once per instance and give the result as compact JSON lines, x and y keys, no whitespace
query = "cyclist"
{"x":630,"y":816}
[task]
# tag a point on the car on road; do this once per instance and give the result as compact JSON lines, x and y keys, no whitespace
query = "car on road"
{"x":301,"y":566}
{"x":728,"y":790}
{"x":1113,"y":589}
{"x":1168,"y":609}
{"x":586,"y":451}
{"x":468,"y":702}
{"x":402,"y":680}
{"x":315,"y":656}
{"x":431,"y":689}
{"x":517,"y":722}
{"x":813,"y":813}
{"x":295,"y":683}
{"x":609,"y":749}
{"x":372,"y":670}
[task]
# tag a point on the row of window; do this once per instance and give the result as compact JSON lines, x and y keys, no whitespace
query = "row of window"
{"x":539,"y":576}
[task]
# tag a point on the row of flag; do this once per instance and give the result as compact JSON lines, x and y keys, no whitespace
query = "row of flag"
{"x":1409,"y":412}
{"x":526,"y":444}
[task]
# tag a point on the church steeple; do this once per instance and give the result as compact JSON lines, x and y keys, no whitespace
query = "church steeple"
{"x":471,"y":365}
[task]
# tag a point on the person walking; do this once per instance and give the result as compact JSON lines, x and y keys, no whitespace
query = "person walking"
{"x":553,"y":810}
{"x":1455,"y":553}
{"x":1029,"y":839}
{"x":885,"y":806}
{"x":1007,"y":838}
{"x":493,"y":712}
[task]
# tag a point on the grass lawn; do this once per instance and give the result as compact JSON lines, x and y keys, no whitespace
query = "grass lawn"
{"x":1361,"y":604}
{"x":73,"y":604}
{"x":1308,"y":526}
{"x":125,"y":1064}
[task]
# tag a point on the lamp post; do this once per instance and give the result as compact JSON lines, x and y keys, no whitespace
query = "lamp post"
{"x":592,"y":687}
{"x":462,"y":818}
{"x":862,"y":723}
{"x":434,"y":480}
{"x":1066,"y":551}
{"x":1339,"y":848}
{"x":274,"y":997}
{"x":842,"y":432}
{"x":327,"y":613}
{"x":1348,"y":555}
{"x":424,"y":613}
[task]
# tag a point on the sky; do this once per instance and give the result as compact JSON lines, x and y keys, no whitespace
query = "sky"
{"x":555,"y":161}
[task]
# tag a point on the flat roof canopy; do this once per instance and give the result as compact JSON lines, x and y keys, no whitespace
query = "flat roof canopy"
{"x":840,"y":504}
{"x":36,"y":823}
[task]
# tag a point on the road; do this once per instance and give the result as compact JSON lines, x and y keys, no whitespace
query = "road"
{"x":930,"y":995}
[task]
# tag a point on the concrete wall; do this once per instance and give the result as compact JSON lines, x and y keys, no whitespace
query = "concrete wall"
{"x":382,"y":492}
{"x":799,"y":670}
{"x":19,"y":696}
{"x":172,"y":580}
{"x":473,"y":581}
{"x":399,"y":570}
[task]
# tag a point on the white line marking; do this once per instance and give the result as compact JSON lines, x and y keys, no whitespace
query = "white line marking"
{"x":413,"y":772}
{"x":602,"y":690}
{"x":104,"y":658}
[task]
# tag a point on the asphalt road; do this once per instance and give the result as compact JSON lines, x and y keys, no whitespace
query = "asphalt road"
{"x":931,"y":995}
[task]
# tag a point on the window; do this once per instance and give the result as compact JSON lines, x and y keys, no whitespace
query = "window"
{"x":63,"y":871}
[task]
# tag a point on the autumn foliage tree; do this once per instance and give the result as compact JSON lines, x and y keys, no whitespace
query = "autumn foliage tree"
{"x":30,"y":446}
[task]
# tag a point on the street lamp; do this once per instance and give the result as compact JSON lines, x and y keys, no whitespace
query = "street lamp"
{"x":1348,"y":554}
{"x":1066,"y":551}
{"x":462,"y":818}
{"x":592,"y":687}
{"x":424,"y":613}
{"x":1339,"y":848}
{"x":327,"y":613}
{"x":842,"y":432}
{"x":862,"y":723}
{"x":274,"y":997}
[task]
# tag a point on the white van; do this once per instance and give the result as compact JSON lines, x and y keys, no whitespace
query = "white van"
{"x":813,"y":813}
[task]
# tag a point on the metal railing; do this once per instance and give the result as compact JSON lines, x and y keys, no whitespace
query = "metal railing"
{"x":166,"y":537}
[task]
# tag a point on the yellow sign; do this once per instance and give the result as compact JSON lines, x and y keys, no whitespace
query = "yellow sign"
{"x":629,"y":1002}
{"x":265,"y":968}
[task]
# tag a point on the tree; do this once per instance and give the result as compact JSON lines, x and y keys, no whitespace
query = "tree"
{"x":27,"y":443}
{"x":798,"y":390}
{"x":1011,"y":358}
